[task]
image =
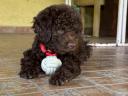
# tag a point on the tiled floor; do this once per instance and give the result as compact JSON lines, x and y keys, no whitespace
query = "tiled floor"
{"x":105,"y":73}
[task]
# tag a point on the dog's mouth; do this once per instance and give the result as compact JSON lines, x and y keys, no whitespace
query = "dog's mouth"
{"x":71,"y":46}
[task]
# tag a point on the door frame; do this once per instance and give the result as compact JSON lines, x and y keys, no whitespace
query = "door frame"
{"x":121,"y":24}
{"x":121,"y":27}
{"x":68,"y":2}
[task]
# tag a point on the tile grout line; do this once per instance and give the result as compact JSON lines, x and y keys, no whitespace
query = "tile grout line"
{"x":57,"y":89}
{"x":69,"y":88}
{"x":76,"y":91}
{"x":39,"y":89}
{"x":7,"y":91}
{"x":96,"y":84}
{"x":8,"y":78}
{"x":105,"y":70}
{"x":24,"y":94}
{"x":108,"y":77}
{"x":101,"y":86}
{"x":115,"y":83}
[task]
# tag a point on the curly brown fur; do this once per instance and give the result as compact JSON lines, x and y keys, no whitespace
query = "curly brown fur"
{"x":59,"y":27}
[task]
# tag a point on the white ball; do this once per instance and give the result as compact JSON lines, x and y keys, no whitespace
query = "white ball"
{"x":50,"y":64}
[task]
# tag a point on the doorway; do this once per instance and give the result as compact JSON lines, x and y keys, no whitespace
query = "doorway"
{"x":99,"y":19}
{"x":127,"y":27}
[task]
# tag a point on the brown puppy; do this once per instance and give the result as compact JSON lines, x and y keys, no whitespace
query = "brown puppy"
{"x":59,"y":28}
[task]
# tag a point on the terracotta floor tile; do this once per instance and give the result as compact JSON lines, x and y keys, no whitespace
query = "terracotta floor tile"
{"x":40,"y":80}
{"x":90,"y":91}
{"x":8,"y":75}
{"x":84,"y":83}
{"x":4,"y":93}
{"x":122,"y":73}
{"x":98,"y":68}
{"x":90,"y":74}
{"x":107,"y":80}
{"x":77,"y":82}
{"x":99,"y":74}
{"x":93,"y":91}
{"x":119,"y":87}
{"x":15,"y":79}
{"x":14,"y":83}
{"x":19,"y":91}
{"x":31,"y":94}
{"x":73,"y":84}
{"x":110,"y":74}
{"x":66,"y":92}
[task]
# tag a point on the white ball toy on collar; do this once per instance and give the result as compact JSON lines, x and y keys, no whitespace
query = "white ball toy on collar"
{"x":50,"y":64}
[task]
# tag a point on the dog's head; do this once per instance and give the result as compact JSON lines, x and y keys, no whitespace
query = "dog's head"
{"x":59,"y":27}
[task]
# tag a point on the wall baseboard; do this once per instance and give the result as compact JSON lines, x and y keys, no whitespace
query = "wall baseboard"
{"x":11,"y":29}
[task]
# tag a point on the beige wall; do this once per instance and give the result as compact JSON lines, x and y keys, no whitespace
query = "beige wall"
{"x":21,"y":12}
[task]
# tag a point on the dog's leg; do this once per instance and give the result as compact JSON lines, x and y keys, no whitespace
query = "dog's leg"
{"x":30,"y":65}
{"x":69,"y":70}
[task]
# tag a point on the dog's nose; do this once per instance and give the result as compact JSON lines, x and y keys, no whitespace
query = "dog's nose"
{"x":71,"y":45}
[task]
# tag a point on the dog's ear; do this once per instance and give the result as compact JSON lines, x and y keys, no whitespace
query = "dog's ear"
{"x":36,"y":26}
{"x":42,"y":30}
{"x":45,"y":36}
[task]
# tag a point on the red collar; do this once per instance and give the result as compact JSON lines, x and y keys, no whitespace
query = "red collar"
{"x":47,"y":52}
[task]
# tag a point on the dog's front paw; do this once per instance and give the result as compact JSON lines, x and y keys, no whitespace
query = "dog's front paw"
{"x":57,"y":80}
{"x":60,"y":78}
{"x":28,"y":75}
